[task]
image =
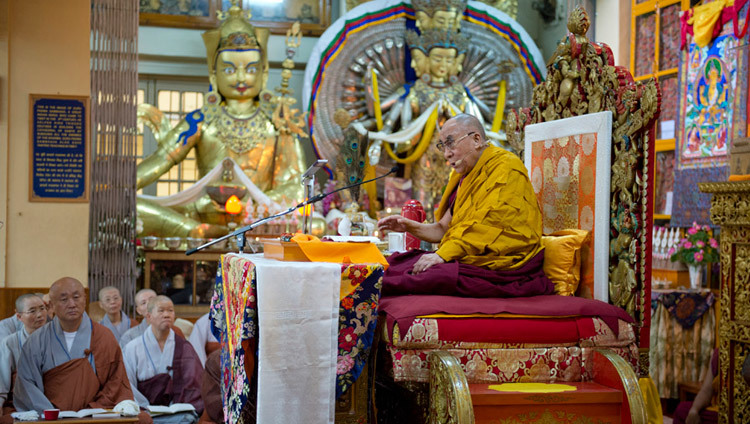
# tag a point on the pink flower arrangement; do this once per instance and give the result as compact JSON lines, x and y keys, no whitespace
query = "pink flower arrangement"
{"x":697,"y":248}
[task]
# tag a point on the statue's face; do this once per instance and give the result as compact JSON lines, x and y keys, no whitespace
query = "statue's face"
{"x":442,"y":61}
{"x":458,"y":65}
{"x":239,"y":74}
{"x":444,"y":19}
{"x":419,"y":62}
{"x":423,"y":20}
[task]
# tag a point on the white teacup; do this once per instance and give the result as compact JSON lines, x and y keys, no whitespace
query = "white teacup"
{"x":396,"y":242}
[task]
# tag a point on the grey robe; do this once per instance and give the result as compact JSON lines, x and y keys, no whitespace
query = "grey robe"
{"x":10,"y":352}
{"x":117,"y":329}
{"x":46,"y":349}
{"x":133,"y":333}
{"x":10,"y":326}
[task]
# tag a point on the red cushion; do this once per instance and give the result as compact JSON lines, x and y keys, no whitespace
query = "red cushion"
{"x":515,"y":330}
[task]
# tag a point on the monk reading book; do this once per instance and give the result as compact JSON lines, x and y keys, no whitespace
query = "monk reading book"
{"x":489,"y":226}
{"x":163,"y":368}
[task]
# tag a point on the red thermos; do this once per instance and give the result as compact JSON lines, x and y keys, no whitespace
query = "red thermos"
{"x":414,"y":211}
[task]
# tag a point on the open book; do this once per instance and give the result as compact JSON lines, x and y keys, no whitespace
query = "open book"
{"x":171,"y":409}
{"x":82,"y":413}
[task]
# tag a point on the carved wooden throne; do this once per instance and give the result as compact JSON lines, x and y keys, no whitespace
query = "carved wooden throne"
{"x":444,"y":350}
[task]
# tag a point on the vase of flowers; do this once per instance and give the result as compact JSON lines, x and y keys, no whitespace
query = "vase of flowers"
{"x":696,"y":250}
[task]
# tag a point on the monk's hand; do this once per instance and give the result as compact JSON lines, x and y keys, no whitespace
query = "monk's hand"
{"x":427,"y":260}
{"x":395,"y":223}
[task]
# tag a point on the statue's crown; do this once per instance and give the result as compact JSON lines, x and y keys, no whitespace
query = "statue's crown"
{"x":235,"y":33}
{"x":431,"y":38}
{"x":432,"y":6}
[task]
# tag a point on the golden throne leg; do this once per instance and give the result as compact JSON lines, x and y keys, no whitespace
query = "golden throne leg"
{"x":613,"y":371}
{"x":450,"y":400}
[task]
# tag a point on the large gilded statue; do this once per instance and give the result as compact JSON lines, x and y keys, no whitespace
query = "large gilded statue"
{"x":406,"y":70}
{"x":240,"y":121}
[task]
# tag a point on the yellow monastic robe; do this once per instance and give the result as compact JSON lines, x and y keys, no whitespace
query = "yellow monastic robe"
{"x":496,"y":223}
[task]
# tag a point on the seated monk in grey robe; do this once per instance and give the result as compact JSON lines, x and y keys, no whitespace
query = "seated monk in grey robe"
{"x":141,"y":304}
{"x":163,"y":368}
{"x":115,"y":319}
{"x":32,"y":313}
{"x":71,"y":363}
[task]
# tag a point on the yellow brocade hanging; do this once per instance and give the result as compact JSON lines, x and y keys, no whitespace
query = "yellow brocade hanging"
{"x":704,"y":20}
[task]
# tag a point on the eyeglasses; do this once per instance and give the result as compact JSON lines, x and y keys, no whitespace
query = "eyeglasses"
{"x":450,"y":144}
{"x":34,"y":311}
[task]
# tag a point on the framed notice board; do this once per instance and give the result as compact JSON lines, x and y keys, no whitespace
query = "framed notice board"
{"x":59,"y":148}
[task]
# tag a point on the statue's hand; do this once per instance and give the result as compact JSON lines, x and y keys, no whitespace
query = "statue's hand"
{"x":155,"y":120}
{"x":374,"y":152}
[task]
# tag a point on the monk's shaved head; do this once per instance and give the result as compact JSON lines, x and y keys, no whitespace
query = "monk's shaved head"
{"x":64,"y":284}
{"x":469,"y":123}
{"x":67,"y":298}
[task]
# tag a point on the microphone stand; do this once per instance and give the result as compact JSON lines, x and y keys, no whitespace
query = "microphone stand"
{"x":240,"y":232}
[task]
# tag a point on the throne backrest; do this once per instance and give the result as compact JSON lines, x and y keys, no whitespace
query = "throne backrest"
{"x":582,"y":79}
{"x":568,"y":163}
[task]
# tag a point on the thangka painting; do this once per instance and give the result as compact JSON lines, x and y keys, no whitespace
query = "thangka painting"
{"x":712,"y":113}
{"x":569,"y":166}
{"x":709,"y":84}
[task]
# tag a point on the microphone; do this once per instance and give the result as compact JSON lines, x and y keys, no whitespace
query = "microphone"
{"x":314,"y":168}
{"x":322,"y":196}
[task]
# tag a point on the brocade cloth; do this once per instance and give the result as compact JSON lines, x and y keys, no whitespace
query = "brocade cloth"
{"x":233,"y":317}
{"x":686,"y":307}
{"x":678,"y":353}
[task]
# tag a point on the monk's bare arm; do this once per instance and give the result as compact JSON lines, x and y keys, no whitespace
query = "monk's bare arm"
{"x":430,"y":232}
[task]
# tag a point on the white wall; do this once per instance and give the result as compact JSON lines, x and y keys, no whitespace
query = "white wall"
{"x":613,"y":28}
{"x":44,"y":49}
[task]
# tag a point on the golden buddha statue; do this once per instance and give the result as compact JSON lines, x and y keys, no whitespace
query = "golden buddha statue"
{"x":437,"y":55}
{"x":240,"y":121}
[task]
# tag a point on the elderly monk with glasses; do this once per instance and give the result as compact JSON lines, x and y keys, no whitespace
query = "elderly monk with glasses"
{"x":32,"y":314}
{"x":488,"y":224}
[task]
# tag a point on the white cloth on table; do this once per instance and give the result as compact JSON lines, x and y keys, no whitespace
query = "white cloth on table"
{"x":298,"y":312}
{"x":200,"y":335}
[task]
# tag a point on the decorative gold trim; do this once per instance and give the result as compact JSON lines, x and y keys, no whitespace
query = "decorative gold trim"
{"x":643,"y":361}
{"x":629,"y":380}
{"x":450,"y":400}
{"x":730,"y":208}
{"x":725,"y":187}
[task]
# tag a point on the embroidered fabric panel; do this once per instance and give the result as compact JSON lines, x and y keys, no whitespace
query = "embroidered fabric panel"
{"x":424,"y":333}
{"x":685,"y":307}
{"x":233,"y":320}
{"x":358,"y":317}
{"x":542,"y":365}
{"x":508,"y":365}
{"x":563,"y":174}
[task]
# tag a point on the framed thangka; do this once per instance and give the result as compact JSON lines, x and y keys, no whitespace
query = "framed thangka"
{"x":712,"y":112}
{"x":58,"y":151}
{"x":278,"y":16}
{"x":569,"y":166}
{"x":179,"y":13}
